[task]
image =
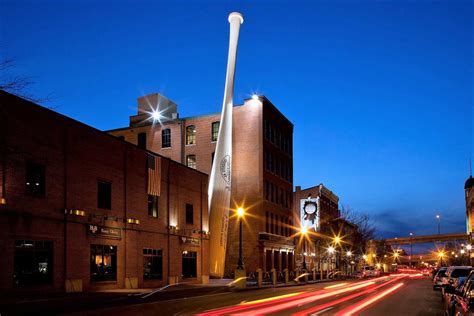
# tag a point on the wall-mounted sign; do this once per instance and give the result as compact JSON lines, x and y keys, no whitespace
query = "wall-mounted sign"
{"x":106,"y":232}
{"x":309,"y":213}
{"x":190,"y":240}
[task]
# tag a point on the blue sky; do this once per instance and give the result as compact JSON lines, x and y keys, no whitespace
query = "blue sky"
{"x":380,"y":92}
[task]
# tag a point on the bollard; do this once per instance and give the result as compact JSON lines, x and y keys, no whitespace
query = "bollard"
{"x":259,"y":277}
{"x":287,"y":277}
{"x":274,"y":277}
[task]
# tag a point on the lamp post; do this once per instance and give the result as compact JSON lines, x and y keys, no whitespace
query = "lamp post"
{"x":411,"y":247}
{"x":438,"y":217}
{"x":331,"y":251}
{"x":304,"y":231}
{"x":469,"y":248}
{"x":337,"y":242}
{"x":240,"y":215}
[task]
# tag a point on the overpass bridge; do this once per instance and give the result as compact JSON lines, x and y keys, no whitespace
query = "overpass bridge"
{"x":423,"y":239}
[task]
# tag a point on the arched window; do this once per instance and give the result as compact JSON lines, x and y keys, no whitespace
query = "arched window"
{"x":191,"y":161}
{"x":190,"y":135}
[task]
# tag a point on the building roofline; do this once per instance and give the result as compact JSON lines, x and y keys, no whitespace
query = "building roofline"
{"x":6,"y":94}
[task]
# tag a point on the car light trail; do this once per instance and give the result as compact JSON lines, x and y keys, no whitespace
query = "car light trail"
{"x":363,"y":304}
{"x":341,"y":300}
{"x":312,"y":295}
{"x":300,"y":301}
{"x":271,"y":298}
{"x":335,"y":285}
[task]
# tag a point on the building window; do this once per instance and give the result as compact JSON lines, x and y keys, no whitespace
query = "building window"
{"x":152,"y":264}
{"x":189,"y":214}
{"x":215,"y":131}
{"x":189,"y":264}
{"x":104,"y":194}
{"x":35,"y":179}
{"x":33,"y":263}
{"x":190,"y":135}
{"x":141,"y":142}
{"x":103,"y":263}
{"x":166,"y":138}
{"x":152,"y":205}
{"x":191,"y":161}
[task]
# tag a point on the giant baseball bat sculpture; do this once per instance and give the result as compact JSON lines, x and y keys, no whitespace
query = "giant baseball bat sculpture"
{"x":220,"y":180}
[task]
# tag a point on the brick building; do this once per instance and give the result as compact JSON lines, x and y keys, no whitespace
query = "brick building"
{"x":321,"y":227}
{"x":82,"y":210}
{"x":469,"y":197}
{"x":262,"y":169}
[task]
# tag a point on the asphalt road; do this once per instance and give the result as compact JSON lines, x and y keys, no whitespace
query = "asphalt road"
{"x":394,"y":295}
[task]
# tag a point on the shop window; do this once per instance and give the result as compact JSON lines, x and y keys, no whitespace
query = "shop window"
{"x":141,"y":140}
{"x":35,"y":179}
{"x":215,"y":131}
{"x":104,"y":194}
{"x":189,"y":214}
{"x":191,"y":135}
{"x":189,"y":264}
{"x":166,"y":138}
{"x":152,"y":205}
{"x":33,"y":263}
{"x":152,"y":264}
{"x":191,"y":161}
{"x":103,"y":263}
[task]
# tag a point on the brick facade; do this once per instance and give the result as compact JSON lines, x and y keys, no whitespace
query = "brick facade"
{"x":251,"y":176}
{"x":75,"y":158}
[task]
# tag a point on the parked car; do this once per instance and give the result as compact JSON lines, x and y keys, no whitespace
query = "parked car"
{"x":461,"y":298}
{"x":451,"y":296}
{"x":439,"y":277}
{"x":453,"y":274}
{"x":368,"y":271}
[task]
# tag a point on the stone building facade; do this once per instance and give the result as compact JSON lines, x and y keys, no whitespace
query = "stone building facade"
{"x":262,"y":169}
{"x":82,"y":210}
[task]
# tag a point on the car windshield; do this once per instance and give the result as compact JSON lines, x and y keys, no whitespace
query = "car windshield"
{"x":441,"y":273}
{"x":459,"y":273}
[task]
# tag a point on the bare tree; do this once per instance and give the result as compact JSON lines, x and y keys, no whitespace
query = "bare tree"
{"x":366,"y":227}
{"x":15,"y":84}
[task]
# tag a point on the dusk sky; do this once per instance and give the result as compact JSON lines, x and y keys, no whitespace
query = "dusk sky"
{"x":380,"y":92}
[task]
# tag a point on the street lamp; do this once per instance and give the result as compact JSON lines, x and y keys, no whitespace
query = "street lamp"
{"x":438,"y":217}
{"x":240,"y":215}
{"x":469,"y":248}
{"x":304,"y":231}
{"x":411,"y":247}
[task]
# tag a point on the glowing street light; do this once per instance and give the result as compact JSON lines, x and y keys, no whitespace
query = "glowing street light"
{"x":331,"y":249}
{"x":240,"y":215}
{"x":438,"y":217}
{"x":349,"y":253}
{"x":255,"y":97}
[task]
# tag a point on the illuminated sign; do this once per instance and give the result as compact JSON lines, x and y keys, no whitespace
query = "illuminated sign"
{"x":106,"y":232}
{"x":310,"y":213}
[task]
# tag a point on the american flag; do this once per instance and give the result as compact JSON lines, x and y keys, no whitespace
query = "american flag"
{"x":153,"y":175}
